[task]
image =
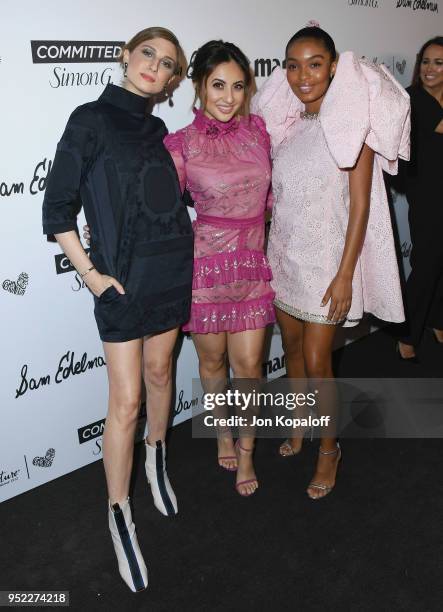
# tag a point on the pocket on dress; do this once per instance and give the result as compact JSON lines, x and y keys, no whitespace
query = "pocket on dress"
{"x":116,"y":312}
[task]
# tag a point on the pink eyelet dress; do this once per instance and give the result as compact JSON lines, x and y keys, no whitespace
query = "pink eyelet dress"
{"x":364,"y":104}
{"x":227,"y":170}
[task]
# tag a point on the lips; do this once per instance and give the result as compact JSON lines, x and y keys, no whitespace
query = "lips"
{"x":226,"y":110}
{"x":147,"y":78}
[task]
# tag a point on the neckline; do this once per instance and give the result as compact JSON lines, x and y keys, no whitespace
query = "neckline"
{"x":124,"y":99}
{"x":214,"y":128}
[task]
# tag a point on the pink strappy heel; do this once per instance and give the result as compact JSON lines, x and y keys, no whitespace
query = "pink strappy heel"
{"x":239,"y":447}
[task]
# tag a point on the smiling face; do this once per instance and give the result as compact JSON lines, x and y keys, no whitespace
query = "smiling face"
{"x":431,"y":67}
{"x":151,"y":66}
{"x":309,"y":69}
{"x":224,"y":92}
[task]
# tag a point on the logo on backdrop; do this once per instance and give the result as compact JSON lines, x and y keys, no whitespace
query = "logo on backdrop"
{"x":183,"y":405}
{"x":406,"y":248}
{"x":68,"y":366}
{"x":62,"y":263}
{"x":396,"y":66}
{"x":416,"y":5}
{"x":368,"y":3}
{"x":273,"y":365}
{"x":9,"y":476}
{"x":77,"y":52}
{"x":264,"y":67}
{"x":17,"y":287}
{"x":46,"y":461}
{"x":36,"y":184}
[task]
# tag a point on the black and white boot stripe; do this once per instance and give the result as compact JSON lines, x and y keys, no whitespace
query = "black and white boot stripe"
{"x":164,"y":496}
{"x":130,"y":560}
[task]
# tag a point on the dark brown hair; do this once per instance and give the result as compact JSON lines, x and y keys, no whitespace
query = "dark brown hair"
{"x":206,"y":59}
{"x":416,"y":80}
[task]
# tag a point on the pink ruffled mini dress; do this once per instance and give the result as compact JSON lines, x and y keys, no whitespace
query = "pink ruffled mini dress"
{"x":226,"y":168}
{"x":364,"y":104}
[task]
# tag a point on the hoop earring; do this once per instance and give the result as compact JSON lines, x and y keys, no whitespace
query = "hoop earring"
{"x":125,"y":73}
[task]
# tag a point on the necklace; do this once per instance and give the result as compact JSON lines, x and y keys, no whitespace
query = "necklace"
{"x":308,"y":115}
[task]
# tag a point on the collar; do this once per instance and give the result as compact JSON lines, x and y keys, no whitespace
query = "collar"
{"x":124,"y":99}
{"x":214,"y":128}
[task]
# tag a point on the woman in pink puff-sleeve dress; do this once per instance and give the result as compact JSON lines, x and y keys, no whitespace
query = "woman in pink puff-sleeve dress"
{"x":224,"y":162}
{"x":334,"y":126}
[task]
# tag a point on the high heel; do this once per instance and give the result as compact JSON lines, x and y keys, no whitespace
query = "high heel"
{"x":434,"y":335}
{"x":287,"y":443}
{"x":319,"y":485}
{"x":238,"y":449}
{"x":413,"y":359}
{"x":131,"y":564}
{"x":164,"y":497}
{"x":230,"y":458}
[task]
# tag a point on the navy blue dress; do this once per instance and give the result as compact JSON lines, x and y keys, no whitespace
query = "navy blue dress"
{"x":111,"y":159}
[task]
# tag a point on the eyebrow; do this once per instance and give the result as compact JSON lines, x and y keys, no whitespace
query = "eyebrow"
{"x":294,"y":59}
{"x":164,"y":57}
{"x":222,"y":81}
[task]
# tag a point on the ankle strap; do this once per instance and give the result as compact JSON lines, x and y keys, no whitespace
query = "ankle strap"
{"x":331,"y":452}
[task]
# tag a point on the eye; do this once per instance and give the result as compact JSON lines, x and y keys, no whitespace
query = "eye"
{"x":315,"y":65}
{"x":291,"y":66}
{"x":167,"y":64}
{"x":217,"y":85}
{"x":239,"y":86}
{"x":148,"y":52}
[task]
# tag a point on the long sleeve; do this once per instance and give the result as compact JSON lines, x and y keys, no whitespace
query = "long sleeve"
{"x":72,"y":160}
{"x":173,"y":142}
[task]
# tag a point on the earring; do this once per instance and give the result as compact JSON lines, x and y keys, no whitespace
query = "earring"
{"x":168,"y":97}
{"x":125,"y":73}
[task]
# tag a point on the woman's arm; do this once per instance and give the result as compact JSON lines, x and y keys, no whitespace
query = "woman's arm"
{"x":339,"y":291}
{"x":96,"y":282}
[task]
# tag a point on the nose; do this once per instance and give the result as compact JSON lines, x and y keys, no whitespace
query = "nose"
{"x":229,"y":98}
{"x":154,"y":64}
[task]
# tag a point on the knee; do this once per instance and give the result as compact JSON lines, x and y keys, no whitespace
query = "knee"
{"x":158,"y":372}
{"x":292,"y":348}
{"x":317,"y":366}
{"x":247,"y":366}
{"x":125,"y":407}
{"x":211,"y":364}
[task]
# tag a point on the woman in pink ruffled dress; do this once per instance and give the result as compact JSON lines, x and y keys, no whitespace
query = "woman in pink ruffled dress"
{"x":335,"y":124}
{"x":223,"y":159}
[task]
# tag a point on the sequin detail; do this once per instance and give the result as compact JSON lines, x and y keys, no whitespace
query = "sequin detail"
{"x":311,"y":318}
{"x":224,"y":268}
{"x":232,"y":316}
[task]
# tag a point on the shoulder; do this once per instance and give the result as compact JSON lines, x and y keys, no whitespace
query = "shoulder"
{"x":258,"y":124}
{"x":176,"y":140}
{"x":84,"y":116}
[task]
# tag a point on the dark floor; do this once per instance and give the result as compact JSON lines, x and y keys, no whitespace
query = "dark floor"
{"x":374,"y":544}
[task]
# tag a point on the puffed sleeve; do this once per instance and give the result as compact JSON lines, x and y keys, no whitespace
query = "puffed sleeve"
{"x":276,"y":103}
{"x":72,"y":161}
{"x":266,"y":142}
{"x":365,"y":104}
{"x":174,"y":144}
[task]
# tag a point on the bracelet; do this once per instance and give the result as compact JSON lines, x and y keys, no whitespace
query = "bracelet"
{"x":87,"y":272}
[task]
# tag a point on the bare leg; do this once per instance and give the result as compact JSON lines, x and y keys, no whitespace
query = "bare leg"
{"x":157,"y":372}
{"x":292,"y":339}
{"x":407,"y":351}
{"x":317,"y":350}
{"x":245,"y":350}
{"x":123,"y":360}
{"x":211,"y":350}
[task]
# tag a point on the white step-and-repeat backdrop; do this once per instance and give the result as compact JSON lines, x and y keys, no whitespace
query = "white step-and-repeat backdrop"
{"x":55,"y":55}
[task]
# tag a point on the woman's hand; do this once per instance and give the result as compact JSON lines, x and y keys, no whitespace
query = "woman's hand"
{"x":98,"y":283}
{"x":339,"y":293}
{"x":86,"y":234}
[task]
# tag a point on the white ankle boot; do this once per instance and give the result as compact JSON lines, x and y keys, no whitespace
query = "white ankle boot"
{"x":130,"y":560}
{"x":164,"y":496}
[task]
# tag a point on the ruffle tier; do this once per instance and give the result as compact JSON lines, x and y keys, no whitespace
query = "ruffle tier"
{"x":231,"y":316}
{"x":225,"y":268}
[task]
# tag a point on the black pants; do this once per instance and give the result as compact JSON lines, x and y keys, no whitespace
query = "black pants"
{"x":424,"y":287}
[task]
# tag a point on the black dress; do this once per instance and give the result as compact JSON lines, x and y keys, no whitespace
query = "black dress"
{"x":112,"y":157}
{"x":423,"y":181}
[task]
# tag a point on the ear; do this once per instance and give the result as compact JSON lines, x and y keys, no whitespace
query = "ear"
{"x":333,"y":69}
{"x":126,"y":56}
